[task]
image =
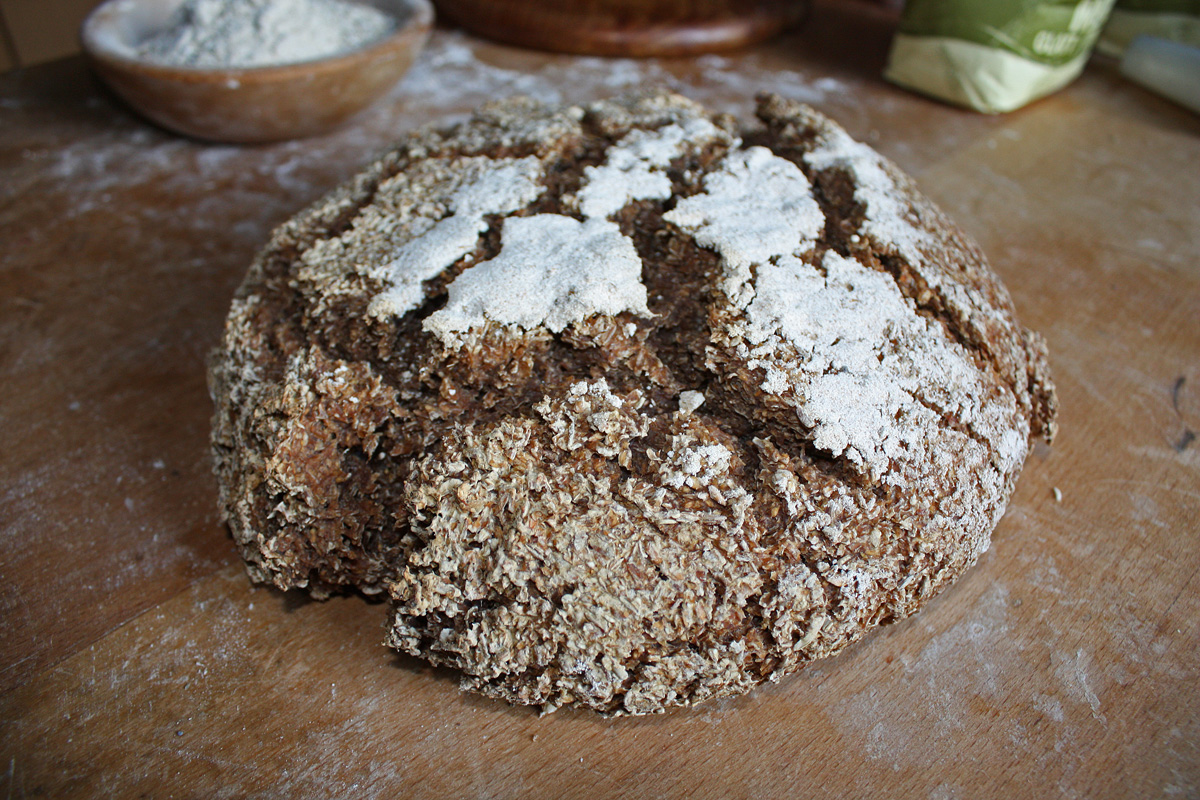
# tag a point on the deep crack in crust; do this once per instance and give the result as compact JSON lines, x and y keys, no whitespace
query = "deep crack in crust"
{"x":547,"y":510}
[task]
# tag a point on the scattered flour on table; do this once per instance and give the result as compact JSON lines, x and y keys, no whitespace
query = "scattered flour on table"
{"x":450,"y":72}
{"x":1072,"y":671}
{"x":1049,"y":706}
{"x":968,"y":660}
{"x":735,"y":77}
{"x":219,"y":34}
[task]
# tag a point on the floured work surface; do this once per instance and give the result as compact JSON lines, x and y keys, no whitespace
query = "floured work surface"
{"x":137,"y":659}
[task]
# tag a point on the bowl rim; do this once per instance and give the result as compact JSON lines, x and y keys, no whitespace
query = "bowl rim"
{"x":418,"y":21}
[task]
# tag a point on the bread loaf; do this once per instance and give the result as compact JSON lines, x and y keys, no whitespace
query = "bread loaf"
{"x":622,"y":405}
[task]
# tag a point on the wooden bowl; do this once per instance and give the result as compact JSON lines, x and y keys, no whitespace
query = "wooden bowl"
{"x":257,"y":104}
{"x":626,"y":27}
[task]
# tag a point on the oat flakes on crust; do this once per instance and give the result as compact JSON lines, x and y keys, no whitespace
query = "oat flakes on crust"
{"x":623,"y":407}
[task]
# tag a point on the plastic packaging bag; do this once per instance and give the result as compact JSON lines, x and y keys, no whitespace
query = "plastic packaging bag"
{"x":994,"y":55}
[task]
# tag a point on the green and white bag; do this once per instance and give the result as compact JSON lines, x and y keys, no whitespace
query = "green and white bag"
{"x":993,"y":55}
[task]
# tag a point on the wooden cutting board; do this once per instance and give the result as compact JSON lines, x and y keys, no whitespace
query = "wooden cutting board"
{"x":137,"y":661}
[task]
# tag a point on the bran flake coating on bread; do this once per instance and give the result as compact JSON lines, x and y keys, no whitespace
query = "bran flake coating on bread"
{"x":622,"y":406}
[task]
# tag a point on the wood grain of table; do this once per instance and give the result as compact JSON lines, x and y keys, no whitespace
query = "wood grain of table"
{"x":136,"y":660}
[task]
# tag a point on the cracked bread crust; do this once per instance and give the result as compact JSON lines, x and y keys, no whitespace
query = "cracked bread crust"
{"x":803,"y":419}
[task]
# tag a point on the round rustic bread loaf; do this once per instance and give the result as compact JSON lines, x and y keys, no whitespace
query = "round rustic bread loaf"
{"x":623,"y":406}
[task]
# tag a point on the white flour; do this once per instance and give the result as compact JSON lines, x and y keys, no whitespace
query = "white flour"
{"x":553,"y":270}
{"x":221,"y":34}
{"x":635,"y":169}
{"x":502,"y":187}
{"x":754,"y":208}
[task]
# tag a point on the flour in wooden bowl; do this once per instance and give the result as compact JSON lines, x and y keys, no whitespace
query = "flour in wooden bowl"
{"x":236,"y":34}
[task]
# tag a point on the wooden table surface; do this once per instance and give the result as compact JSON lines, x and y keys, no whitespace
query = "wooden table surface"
{"x":137,"y":661}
